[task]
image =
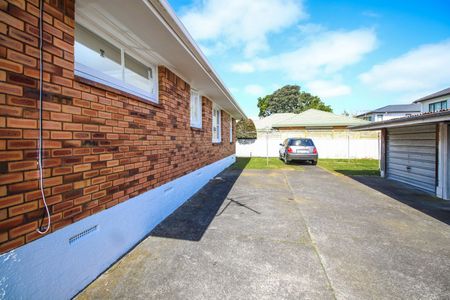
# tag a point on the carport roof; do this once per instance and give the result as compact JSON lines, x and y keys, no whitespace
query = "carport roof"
{"x":425,"y":118}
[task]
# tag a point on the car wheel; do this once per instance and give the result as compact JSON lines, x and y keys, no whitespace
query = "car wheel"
{"x":314,"y":162}
{"x":286,"y":161}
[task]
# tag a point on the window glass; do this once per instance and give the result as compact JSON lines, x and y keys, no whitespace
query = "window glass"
{"x":96,"y":53}
{"x":216,"y":137}
{"x":101,"y":61}
{"x":231,"y":130}
{"x":196,"y":109}
{"x":301,"y":142}
{"x":138,"y":74}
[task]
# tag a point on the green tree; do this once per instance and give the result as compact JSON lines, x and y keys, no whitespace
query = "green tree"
{"x":289,"y":99}
{"x":245,"y":129}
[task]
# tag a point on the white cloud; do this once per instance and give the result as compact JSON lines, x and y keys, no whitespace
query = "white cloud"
{"x":241,"y":23}
{"x":419,"y":71}
{"x":254,"y":90}
{"x":328,"y":88}
{"x":243,"y":68}
{"x":326,"y":54}
{"x":319,"y":60}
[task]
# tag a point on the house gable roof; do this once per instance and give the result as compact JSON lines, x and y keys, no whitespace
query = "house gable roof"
{"x":396,"y":108}
{"x":441,"y":93}
{"x":308,"y":118}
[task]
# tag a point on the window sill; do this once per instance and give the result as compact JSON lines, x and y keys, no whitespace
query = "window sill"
{"x":108,"y":88}
{"x":217,"y":143}
{"x":196,"y":129}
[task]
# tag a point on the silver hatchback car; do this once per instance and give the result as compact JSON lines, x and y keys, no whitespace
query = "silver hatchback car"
{"x":298,"y":149}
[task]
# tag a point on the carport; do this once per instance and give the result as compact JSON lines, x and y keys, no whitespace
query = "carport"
{"x":414,"y":150}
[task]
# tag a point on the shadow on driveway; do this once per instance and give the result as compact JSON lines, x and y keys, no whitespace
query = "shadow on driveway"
{"x":191,"y":220}
{"x":426,"y":203}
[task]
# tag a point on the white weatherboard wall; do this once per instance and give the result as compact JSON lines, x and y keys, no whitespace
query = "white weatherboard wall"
{"x":339,"y":147}
{"x":51,"y":268}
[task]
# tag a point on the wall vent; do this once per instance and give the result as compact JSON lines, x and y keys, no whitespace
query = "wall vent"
{"x":82,"y":234}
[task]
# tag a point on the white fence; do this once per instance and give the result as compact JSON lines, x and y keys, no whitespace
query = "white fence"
{"x":342,"y":146}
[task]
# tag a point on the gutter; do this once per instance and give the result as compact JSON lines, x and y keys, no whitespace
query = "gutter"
{"x":165,"y":11}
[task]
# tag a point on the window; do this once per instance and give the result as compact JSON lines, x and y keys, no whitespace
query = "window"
{"x":101,"y":61}
{"x":216,"y":134}
{"x":196,"y":109}
{"x":379,"y":117}
{"x":231,"y":129}
{"x":437,"y":106}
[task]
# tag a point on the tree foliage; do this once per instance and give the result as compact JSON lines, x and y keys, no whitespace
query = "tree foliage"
{"x":289,"y":99}
{"x":245,"y":129}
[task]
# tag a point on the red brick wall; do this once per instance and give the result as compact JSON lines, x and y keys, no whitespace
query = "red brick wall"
{"x":102,"y":146}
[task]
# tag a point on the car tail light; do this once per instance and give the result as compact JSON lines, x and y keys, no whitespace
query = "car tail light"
{"x":315,"y":150}
{"x":290,"y":150}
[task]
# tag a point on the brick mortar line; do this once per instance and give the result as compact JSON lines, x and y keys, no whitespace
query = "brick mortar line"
{"x":313,"y":243}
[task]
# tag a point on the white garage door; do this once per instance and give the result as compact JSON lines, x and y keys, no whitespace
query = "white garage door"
{"x":411,"y":156}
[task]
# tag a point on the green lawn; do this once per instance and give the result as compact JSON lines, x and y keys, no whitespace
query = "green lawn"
{"x":351,"y":167}
{"x":261,"y":163}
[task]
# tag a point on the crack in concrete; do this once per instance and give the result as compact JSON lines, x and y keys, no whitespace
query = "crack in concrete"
{"x":313,"y":244}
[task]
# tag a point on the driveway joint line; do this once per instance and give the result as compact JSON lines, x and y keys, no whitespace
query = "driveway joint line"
{"x":313,"y":244}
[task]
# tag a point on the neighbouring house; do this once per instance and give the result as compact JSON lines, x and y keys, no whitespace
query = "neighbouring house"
{"x":330,"y":133}
{"x":434,"y":102}
{"x":390,"y":112}
{"x":135,"y":121}
{"x":414,"y":150}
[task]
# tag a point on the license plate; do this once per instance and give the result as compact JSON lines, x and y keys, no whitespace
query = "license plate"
{"x":302,"y":151}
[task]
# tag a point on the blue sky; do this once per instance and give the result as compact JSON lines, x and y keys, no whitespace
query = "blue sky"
{"x":355,"y":55}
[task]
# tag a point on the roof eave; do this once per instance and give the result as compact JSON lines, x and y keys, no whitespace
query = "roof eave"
{"x":163,"y":8}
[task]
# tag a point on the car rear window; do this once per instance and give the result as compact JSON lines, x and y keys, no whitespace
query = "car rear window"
{"x":301,"y":142}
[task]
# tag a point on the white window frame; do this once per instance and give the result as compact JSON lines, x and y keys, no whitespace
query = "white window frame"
{"x":100,"y":77}
{"x":196,"y":103}
{"x":216,"y":123}
{"x":231,"y":130}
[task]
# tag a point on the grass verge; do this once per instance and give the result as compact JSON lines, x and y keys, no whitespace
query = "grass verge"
{"x":351,"y":167}
{"x":261,"y":163}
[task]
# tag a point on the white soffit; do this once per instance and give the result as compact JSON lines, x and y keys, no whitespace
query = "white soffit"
{"x":139,"y":27}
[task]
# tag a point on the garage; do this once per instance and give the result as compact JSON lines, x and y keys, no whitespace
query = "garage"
{"x":414,"y":150}
{"x":411,"y":156}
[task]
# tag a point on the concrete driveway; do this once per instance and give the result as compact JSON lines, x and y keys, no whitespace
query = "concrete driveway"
{"x":278,"y":234}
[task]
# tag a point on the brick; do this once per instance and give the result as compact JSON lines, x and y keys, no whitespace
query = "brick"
{"x":72,"y":126}
{"x":10,"y":111}
{"x":51,"y":125}
{"x":23,"y":37}
{"x":61,"y":135}
{"x":61,"y":117}
{"x":10,"y":178}
{"x":23,"y":208}
{"x":8,"y":42}
{"x":21,"y":123}
{"x":10,"y":133}
{"x":11,"y":155}
{"x":71,"y":109}
{"x":21,"y":144}
{"x":11,"y":200}
{"x":20,"y":13}
{"x":10,"y":66}
{"x":22,"y":165}
{"x":72,"y":212}
{"x":11,"y":89}
{"x":50,"y":106}
{"x":23,"y":186}
{"x":81,"y":168}
{"x":22,"y":230}
{"x":12,"y":21}
{"x":21,"y":58}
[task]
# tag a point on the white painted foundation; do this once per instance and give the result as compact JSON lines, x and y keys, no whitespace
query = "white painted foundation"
{"x":53,"y":268}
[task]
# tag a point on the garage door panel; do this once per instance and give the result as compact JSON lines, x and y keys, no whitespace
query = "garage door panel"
{"x":417,"y":129}
{"x":407,"y":143}
{"x":416,"y":157}
{"x":414,"y":136}
{"x":413,"y":163}
{"x":411,"y":156}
